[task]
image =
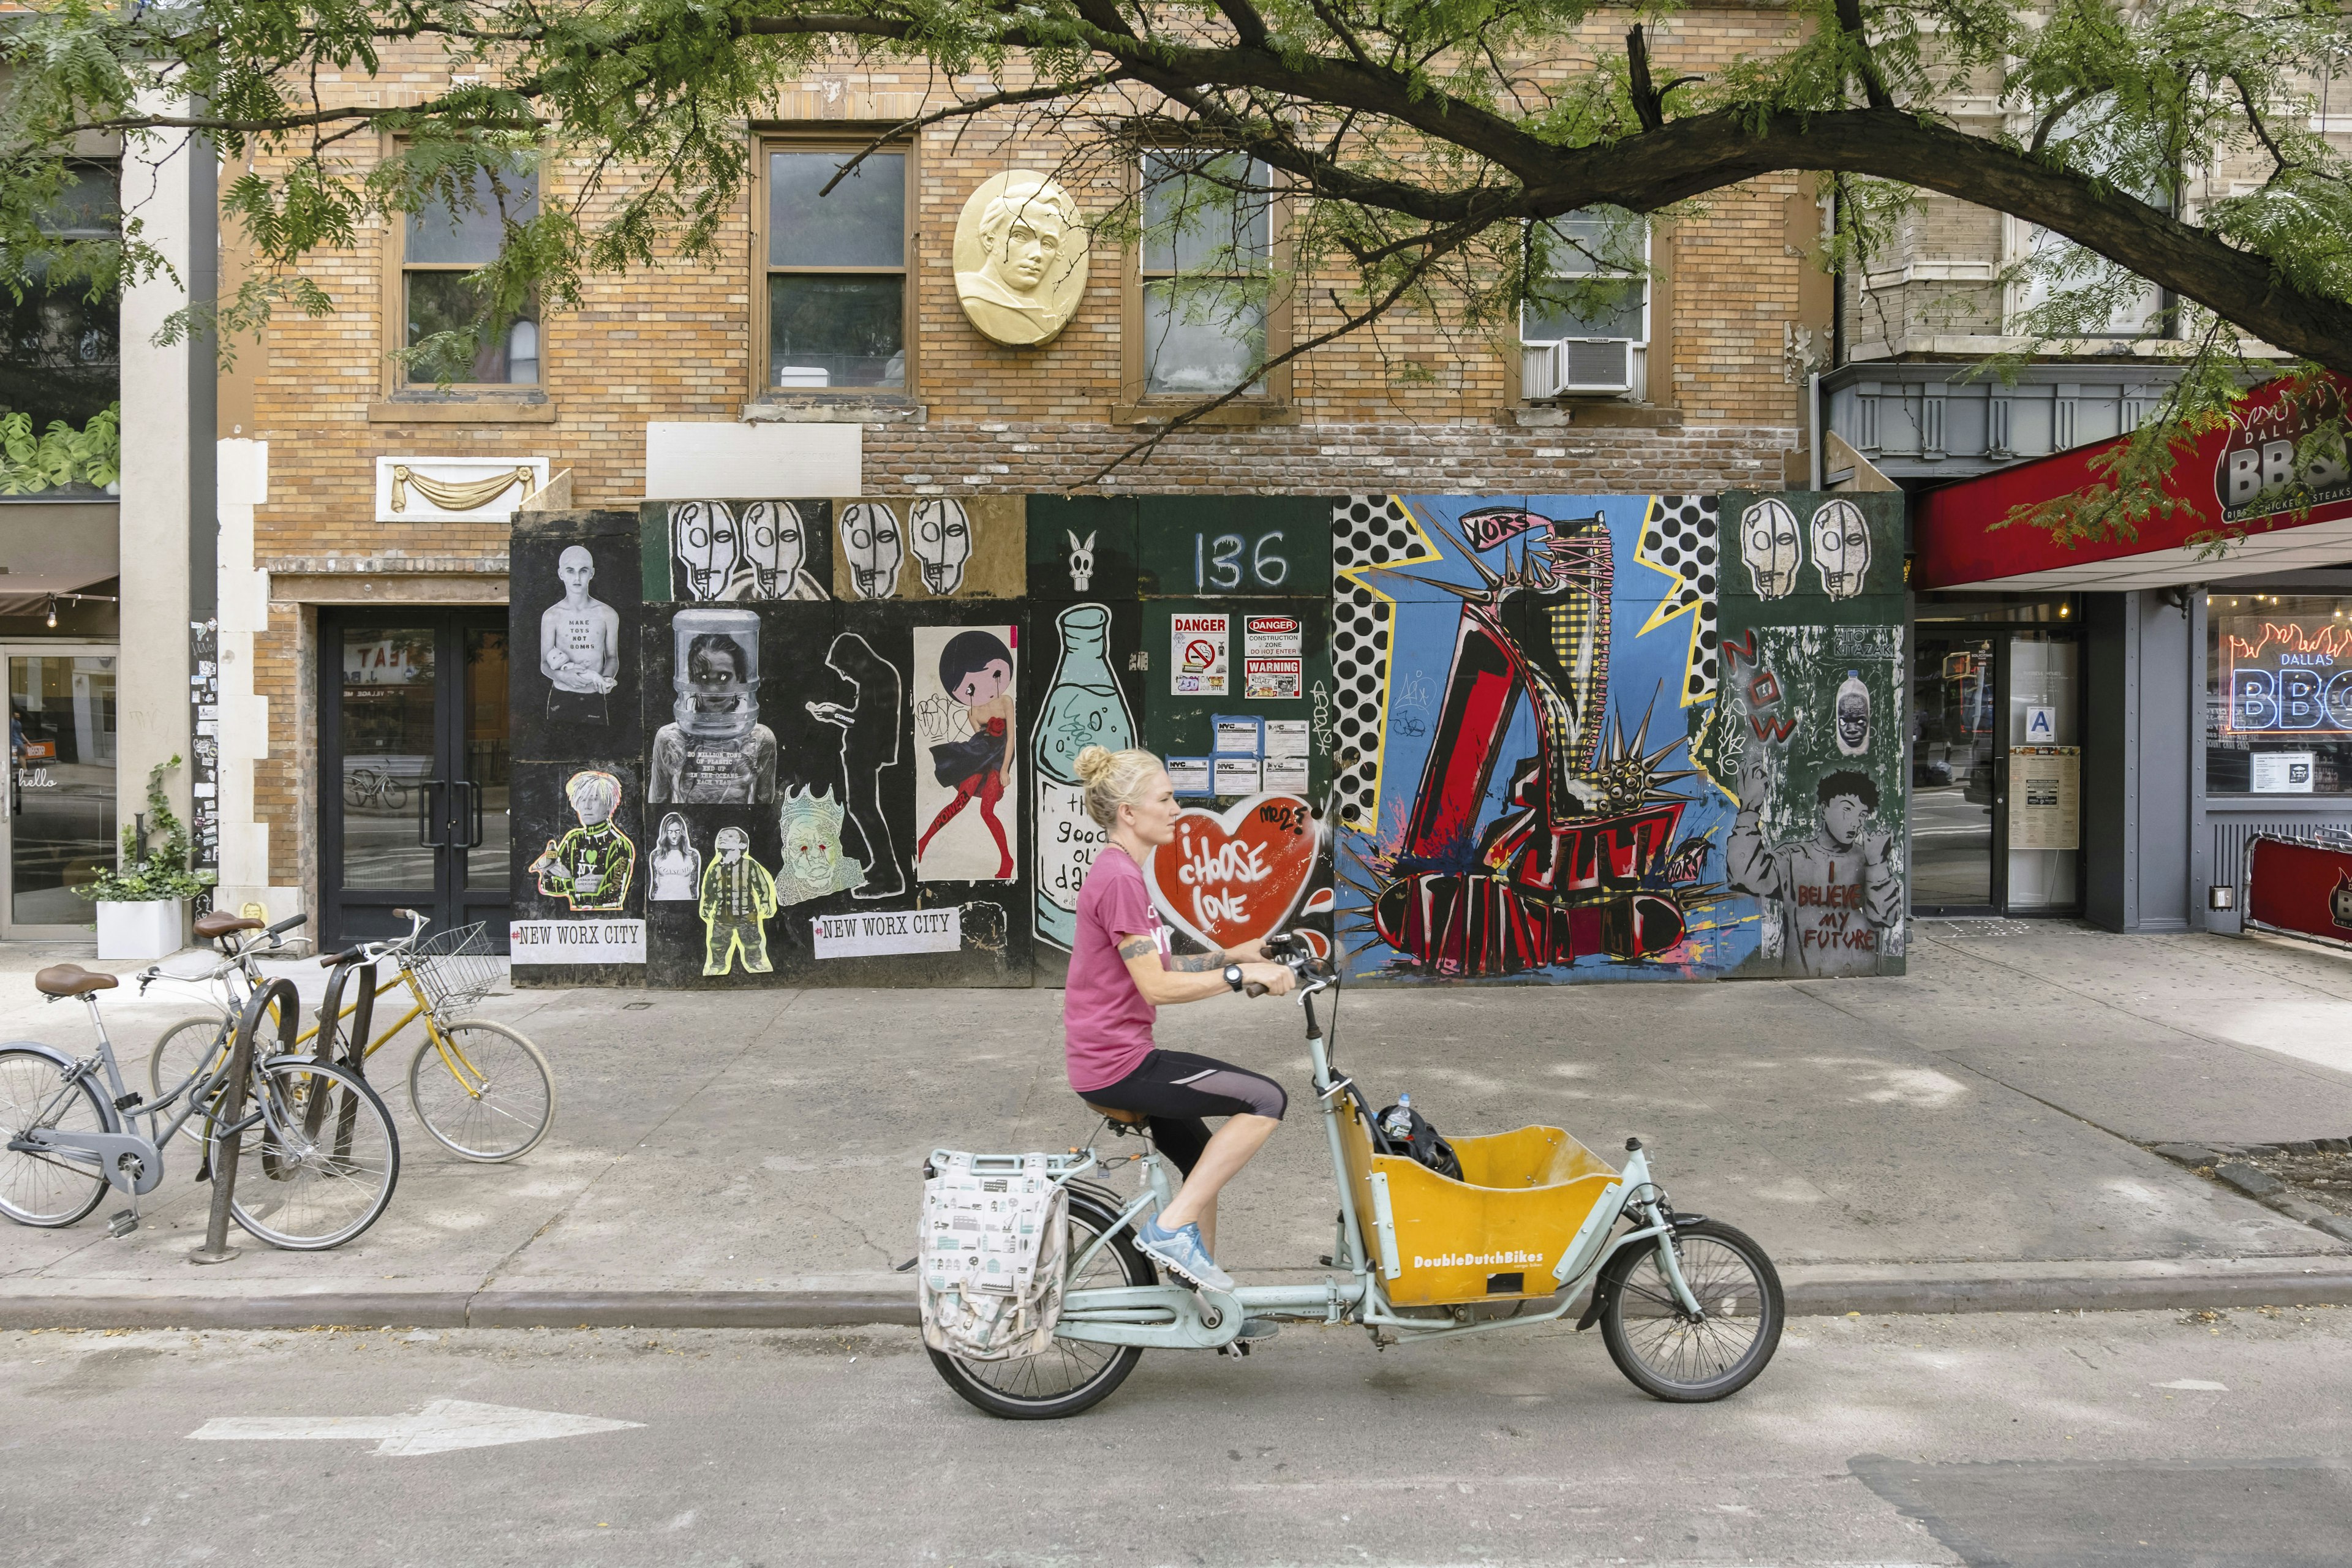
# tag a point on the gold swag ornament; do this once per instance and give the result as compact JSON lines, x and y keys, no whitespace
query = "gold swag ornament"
{"x":457,"y":495}
{"x":1020,"y":258}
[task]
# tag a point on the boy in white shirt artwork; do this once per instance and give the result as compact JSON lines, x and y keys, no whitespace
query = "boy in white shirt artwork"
{"x":579,"y":645}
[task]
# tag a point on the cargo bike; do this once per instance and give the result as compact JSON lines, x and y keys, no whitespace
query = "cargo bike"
{"x":1690,"y":1307}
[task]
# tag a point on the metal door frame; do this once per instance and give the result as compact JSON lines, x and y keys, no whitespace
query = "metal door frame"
{"x":444,"y":796}
{"x":11,"y":929}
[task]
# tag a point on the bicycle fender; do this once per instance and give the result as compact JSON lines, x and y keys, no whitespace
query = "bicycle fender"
{"x":65,"y":1062}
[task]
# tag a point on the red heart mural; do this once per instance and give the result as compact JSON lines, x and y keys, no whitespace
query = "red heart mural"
{"x":1229,"y":876}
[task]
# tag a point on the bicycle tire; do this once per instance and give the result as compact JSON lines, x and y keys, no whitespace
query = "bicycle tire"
{"x":199,"y":1040}
{"x":992,"y":1386}
{"x":355,"y":789}
{"x":28,"y":1081}
{"x":478,"y":1120}
{"x":277,"y":1196}
{"x":1731,"y":1277}
{"x":393,"y":793}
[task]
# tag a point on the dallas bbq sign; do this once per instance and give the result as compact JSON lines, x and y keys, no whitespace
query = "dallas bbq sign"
{"x":2259,"y":474}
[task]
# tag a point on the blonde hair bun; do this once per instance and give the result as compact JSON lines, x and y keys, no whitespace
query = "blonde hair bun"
{"x":1092,"y":765}
{"x":1114,"y":779}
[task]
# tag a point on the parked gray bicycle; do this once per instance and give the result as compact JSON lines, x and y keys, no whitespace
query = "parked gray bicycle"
{"x":316,"y":1164}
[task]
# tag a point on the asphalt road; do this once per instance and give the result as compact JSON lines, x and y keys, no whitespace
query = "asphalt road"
{"x":2151,"y":1439}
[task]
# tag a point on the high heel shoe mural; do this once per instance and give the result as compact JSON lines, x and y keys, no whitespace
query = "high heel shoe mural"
{"x":1545,"y":824}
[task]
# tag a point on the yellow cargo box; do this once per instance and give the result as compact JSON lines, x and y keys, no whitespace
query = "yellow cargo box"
{"x":1496,"y":1234}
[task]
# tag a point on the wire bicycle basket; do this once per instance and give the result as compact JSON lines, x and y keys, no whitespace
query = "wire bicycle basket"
{"x":456,"y":966}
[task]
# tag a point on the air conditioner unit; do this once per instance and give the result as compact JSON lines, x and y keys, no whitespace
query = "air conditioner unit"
{"x":1576,"y":365}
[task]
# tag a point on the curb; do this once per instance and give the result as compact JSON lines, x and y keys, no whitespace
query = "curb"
{"x":1812,"y":1290}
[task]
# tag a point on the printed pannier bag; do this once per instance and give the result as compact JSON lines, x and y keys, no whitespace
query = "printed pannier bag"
{"x":995,"y":1241}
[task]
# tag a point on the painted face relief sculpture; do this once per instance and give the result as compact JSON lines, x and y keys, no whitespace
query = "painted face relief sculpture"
{"x":717,"y":674}
{"x":1841,"y":548}
{"x":774,"y":544}
{"x":869,"y":537}
{"x":942,"y":543}
{"x":1082,"y":561}
{"x":1768,"y":544}
{"x":703,"y":534}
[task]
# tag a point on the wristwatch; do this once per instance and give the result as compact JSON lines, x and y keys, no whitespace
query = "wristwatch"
{"x":1233,"y":975}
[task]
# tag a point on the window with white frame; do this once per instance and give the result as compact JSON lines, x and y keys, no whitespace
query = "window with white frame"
{"x":445,"y":244}
{"x":1584,"y":327}
{"x":2042,"y":265}
{"x":1206,"y":258}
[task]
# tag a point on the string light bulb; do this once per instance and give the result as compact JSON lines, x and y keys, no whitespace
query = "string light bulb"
{"x":52,"y":612}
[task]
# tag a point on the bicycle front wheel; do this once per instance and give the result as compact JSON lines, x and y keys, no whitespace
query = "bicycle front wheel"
{"x":486,"y":1092}
{"x":1069,"y":1375}
{"x":319,"y":1166}
{"x":188,"y":1045}
{"x":47,"y":1189}
{"x":395,"y":793}
{"x":1665,"y":1352}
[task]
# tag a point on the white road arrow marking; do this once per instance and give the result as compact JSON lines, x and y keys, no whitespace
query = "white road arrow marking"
{"x":442,"y":1424}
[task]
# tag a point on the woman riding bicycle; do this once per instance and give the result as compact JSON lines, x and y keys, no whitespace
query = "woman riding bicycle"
{"x":1121,"y":973}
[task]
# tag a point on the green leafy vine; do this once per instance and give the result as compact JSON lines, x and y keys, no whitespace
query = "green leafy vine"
{"x":144,"y":876}
{"x":60,"y":455}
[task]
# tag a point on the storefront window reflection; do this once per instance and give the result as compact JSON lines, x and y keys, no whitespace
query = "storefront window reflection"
{"x":2278,"y":694}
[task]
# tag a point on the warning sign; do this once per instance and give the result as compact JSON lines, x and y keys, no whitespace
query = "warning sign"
{"x":1197,"y":664}
{"x":1273,"y":678}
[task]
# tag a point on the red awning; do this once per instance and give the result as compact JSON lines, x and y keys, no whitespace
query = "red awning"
{"x":2240,"y":473}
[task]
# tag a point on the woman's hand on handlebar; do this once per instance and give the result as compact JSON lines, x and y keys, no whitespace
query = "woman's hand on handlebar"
{"x":1261,"y":977}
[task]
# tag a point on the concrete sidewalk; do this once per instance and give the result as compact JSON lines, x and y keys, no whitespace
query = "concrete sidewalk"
{"x":1972,"y":1136}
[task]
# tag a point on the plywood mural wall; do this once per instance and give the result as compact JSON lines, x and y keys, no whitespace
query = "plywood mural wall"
{"x":830,"y":741}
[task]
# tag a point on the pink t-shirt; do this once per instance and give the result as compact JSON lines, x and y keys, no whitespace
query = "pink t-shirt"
{"x":1105,"y":1019}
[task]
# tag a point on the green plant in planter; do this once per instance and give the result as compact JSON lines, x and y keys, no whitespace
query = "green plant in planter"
{"x":147,"y":876}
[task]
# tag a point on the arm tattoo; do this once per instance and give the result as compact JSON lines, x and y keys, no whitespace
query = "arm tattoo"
{"x":1138,"y":947}
{"x":1198,"y":962}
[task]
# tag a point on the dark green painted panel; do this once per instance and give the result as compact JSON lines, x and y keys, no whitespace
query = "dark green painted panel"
{"x":1244,"y":545}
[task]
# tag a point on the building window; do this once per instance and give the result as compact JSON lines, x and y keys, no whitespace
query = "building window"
{"x":1584,"y":328}
{"x":837,"y":270}
{"x":445,"y":246}
{"x":1207,"y":258}
{"x":2278,"y":694}
{"x":2044,"y":266}
{"x":60,"y":350}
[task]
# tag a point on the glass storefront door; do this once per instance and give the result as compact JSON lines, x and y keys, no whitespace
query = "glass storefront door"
{"x":412,"y":802}
{"x":1953,"y":771}
{"x":1989,"y":705}
{"x":61,"y":781}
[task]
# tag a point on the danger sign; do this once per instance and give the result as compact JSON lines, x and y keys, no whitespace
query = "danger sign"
{"x":1198,"y":665}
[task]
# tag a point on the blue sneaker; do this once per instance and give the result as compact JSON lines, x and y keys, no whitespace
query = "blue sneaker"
{"x":1181,"y":1253}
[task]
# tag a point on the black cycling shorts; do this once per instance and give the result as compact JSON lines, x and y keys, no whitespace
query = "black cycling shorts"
{"x":1174,"y":1089}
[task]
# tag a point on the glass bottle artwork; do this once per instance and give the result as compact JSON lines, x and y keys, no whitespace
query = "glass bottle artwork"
{"x":1082,"y":707}
{"x":1852,"y":715}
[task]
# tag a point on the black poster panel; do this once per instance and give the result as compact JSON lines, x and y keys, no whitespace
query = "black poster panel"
{"x":578,"y":873}
{"x":1083,"y":686}
{"x":1082,"y":547}
{"x":572,"y":581}
{"x":738,"y":549}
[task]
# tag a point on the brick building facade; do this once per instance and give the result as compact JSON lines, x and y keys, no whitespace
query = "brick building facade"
{"x":1411,"y":405}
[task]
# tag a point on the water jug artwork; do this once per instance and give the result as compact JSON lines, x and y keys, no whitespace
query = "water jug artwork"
{"x":1083,"y":707}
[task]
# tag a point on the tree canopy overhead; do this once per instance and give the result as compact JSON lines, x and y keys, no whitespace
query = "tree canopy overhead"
{"x":1418,"y":140}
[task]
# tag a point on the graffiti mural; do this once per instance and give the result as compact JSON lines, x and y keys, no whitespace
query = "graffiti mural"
{"x":589,"y":867}
{"x":756,"y":550}
{"x":1537,"y":802}
{"x":967,"y":722}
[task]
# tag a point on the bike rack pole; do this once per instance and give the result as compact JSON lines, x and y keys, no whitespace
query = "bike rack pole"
{"x":221,"y":1159}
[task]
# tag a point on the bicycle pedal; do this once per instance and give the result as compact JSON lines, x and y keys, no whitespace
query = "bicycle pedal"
{"x":1236,"y":1348}
{"x":123,"y":1224}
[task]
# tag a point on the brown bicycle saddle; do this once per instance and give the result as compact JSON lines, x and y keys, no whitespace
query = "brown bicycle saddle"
{"x":1127,"y":1118}
{"x":72,"y":979}
{"x":217,"y":924}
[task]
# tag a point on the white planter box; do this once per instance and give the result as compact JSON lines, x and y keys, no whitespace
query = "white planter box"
{"x":155,"y":928}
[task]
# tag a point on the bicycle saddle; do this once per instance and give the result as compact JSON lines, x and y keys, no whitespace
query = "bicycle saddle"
{"x":217,"y":924}
{"x":1127,"y":1118}
{"x":72,"y":979}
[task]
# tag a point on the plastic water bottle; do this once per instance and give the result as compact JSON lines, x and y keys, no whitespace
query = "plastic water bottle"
{"x":1399,"y":1122}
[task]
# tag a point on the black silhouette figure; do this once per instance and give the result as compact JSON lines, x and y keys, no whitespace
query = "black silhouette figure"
{"x":869,"y":742}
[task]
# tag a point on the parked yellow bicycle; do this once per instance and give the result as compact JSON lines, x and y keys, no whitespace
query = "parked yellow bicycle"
{"x":482,"y":1090}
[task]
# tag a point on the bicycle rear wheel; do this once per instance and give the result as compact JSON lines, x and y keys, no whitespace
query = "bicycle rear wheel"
{"x":489,"y":1096}
{"x":321,"y":1166}
{"x":188,"y":1044}
{"x":47,"y":1190}
{"x":1660,"y":1348}
{"x":1072,"y":1374}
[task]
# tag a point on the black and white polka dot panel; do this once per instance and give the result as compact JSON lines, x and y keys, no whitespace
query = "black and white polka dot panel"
{"x":1683,"y":536}
{"x":1366,"y":530}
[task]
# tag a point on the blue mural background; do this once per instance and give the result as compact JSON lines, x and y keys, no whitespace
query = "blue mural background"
{"x":1646,"y":733}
